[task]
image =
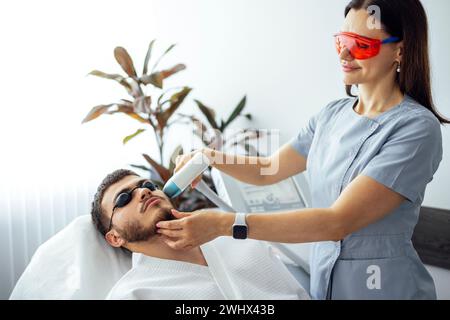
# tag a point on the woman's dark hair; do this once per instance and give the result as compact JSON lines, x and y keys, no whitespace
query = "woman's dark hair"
{"x":407,"y":20}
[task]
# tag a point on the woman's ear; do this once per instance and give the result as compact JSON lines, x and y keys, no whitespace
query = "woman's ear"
{"x":114,"y":239}
{"x":399,"y":52}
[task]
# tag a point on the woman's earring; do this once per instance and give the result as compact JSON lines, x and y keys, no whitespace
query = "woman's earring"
{"x":399,"y":68}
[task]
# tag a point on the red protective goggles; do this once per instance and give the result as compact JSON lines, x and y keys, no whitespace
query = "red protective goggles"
{"x":360,"y":47}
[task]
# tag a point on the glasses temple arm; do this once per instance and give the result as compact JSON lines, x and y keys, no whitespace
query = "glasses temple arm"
{"x":390,"y":40}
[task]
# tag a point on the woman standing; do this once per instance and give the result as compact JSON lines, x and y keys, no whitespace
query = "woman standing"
{"x":368,"y":159}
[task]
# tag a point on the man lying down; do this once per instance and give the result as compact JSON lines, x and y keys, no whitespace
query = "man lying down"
{"x":126,"y":209}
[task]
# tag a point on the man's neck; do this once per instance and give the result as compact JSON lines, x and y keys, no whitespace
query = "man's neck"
{"x":156,"y":247}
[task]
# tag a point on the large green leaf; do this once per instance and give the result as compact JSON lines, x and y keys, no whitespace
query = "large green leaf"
{"x":122,"y":107}
{"x":147,"y":57}
{"x":175,"y":101}
{"x":96,"y":112}
{"x":209,"y":113}
{"x":131,"y":136}
{"x":115,"y":77}
{"x":128,"y":109}
{"x":176,"y":68}
{"x":136,"y":117}
{"x":124,"y":59}
{"x":111,"y":76}
{"x":156,"y":78}
{"x":236,"y":112}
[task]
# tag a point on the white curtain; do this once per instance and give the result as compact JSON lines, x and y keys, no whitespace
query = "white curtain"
{"x":31,"y":214}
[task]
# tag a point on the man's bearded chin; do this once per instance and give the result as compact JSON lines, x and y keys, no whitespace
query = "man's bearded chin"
{"x":135,"y":231}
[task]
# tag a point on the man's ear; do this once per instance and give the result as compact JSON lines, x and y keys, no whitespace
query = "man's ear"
{"x":114,"y":239}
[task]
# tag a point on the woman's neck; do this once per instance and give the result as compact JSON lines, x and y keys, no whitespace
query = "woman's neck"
{"x":374,"y":100}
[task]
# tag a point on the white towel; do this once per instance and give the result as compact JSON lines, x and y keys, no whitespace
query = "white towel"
{"x":237,"y":269}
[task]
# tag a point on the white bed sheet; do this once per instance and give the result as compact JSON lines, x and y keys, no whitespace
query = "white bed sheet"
{"x":76,"y":263}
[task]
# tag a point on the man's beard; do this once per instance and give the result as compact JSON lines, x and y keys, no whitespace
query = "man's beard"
{"x":135,"y":231}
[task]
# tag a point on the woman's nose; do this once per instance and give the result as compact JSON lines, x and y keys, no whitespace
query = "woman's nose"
{"x":345,"y":54}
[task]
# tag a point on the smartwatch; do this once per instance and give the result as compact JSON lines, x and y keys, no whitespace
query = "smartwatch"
{"x":240,"y":228}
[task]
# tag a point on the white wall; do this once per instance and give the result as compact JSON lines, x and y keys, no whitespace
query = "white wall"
{"x":280,"y":53}
{"x":437,"y":192}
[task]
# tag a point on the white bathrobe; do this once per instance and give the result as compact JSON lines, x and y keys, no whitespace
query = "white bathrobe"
{"x":237,"y":269}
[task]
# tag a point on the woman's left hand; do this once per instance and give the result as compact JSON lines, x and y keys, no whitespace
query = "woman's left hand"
{"x":192,"y":229}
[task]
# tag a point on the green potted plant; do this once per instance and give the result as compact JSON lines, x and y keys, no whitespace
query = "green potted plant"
{"x":152,"y":111}
{"x":215,"y":136}
{"x":156,"y":112}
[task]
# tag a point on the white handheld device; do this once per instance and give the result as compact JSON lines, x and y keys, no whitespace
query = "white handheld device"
{"x":184,"y":177}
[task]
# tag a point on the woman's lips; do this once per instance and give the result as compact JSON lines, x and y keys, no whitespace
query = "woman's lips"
{"x":151,"y":202}
{"x":349,"y":69}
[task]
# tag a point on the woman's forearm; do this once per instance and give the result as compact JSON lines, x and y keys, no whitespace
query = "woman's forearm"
{"x":243,"y":168}
{"x":306,"y":225}
{"x":282,"y":164}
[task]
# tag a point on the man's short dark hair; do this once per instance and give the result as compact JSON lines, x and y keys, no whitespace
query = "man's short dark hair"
{"x":99,"y":217}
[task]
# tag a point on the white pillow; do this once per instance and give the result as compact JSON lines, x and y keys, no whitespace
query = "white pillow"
{"x":76,"y":263}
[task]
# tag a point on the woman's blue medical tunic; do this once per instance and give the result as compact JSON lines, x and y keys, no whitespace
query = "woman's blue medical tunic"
{"x":401,"y":148}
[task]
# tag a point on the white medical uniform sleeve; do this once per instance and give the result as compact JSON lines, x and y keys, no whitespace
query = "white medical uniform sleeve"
{"x":408,"y":160}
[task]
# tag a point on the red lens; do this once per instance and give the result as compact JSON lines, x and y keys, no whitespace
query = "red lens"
{"x":359,"y":47}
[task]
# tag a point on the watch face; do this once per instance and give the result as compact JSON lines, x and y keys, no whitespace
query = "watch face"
{"x":240,"y":232}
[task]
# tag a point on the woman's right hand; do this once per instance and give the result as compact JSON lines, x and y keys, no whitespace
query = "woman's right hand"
{"x":181,"y":160}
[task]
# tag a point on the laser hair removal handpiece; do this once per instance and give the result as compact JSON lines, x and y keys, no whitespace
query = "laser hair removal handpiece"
{"x":184,"y":177}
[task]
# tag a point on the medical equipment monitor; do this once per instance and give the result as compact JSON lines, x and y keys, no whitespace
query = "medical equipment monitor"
{"x":282,"y":196}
